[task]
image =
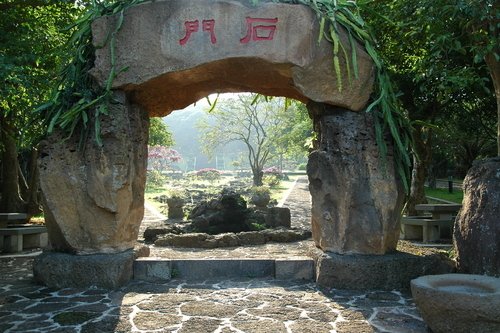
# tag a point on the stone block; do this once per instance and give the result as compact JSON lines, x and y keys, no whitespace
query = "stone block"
{"x":62,"y":270}
{"x":35,"y":240}
{"x":294,"y":269}
{"x":278,"y":217}
{"x":381,"y":272}
{"x":152,"y":269}
{"x":202,"y":269}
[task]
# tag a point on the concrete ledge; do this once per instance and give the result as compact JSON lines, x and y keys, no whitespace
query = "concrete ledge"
{"x":201,"y":269}
{"x":62,"y":270}
{"x":159,"y":269}
{"x":152,"y":269}
{"x":294,"y":269}
{"x":376,"y":272}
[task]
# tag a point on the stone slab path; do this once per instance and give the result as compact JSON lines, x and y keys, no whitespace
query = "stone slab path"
{"x":221,"y":306}
{"x":251,"y":306}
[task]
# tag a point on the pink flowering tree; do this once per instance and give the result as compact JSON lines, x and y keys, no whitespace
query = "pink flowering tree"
{"x":160,"y":158}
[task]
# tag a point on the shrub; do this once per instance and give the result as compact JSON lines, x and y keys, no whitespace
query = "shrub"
{"x":208,"y":174}
{"x":155,"y":179}
{"x":272,"y":176}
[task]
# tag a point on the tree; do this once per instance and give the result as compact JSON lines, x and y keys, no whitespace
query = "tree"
{"x":248,"y":119}
{"x":159,"y":134}
{"x":433,"y":68}
{"x":30,"y":34}
{"x":160,"y":158}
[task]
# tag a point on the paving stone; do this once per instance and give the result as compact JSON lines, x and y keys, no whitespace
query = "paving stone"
{"x":199,"y":325}
{"x":310,"y":326}
{"x":155,"y":320}
{"x":260,"y":326}
{"x":354,"y":326}
{"x":209,"y":309}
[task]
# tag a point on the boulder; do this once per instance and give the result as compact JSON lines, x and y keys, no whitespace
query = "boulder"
{"x":356,"y":195}
{"x":175,"y":208}
{"x":94,"y":194}
{"x":477,"y":226}
{"x":278,"y":217}
{"x":175,"y":52}
{"x":226,"y":213}
{"x":152,"y":233}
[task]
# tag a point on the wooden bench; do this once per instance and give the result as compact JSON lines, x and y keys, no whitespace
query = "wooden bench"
{"x":15,"y":239}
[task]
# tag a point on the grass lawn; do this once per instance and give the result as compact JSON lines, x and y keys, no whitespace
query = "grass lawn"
{"x":443,"y":194}
{"x":279,"y":191}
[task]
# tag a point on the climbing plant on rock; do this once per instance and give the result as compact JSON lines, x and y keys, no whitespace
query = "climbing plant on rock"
{"x":77,"y":101}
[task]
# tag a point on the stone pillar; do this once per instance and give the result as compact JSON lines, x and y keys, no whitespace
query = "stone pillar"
{"x":94,"y":195}
{"x":356,"y":196}
{"x":477,"y":226}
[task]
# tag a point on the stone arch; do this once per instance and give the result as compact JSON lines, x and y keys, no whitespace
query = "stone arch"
{"x":179,"y":51}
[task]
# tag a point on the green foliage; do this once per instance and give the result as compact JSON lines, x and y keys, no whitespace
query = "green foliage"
{"x":159,"y":134}
{"x":29,"y":40}
{"x":208,"y":174}
{"x":155,"y":179}
{"x":76,"y":100}
{"x":255,"y":226}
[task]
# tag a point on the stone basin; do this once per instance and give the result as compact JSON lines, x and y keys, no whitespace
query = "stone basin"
{"x":458,"y":302}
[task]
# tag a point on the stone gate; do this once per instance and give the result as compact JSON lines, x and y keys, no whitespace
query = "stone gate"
{"x":176,"y":52}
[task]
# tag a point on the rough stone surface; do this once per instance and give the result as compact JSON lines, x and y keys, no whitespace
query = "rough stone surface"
{"x":202,"y":240}
{"x":356,"y":199}
{"x":225,"y":213}
{"x":371,"y":272}
{"x":458,"y":303}
{"x":166,"y":72}
{"x":477,"y":226}
{"x":151,"y":233}
{"x":94,"y":198}
{"x":278,"y":217}
{"x":61,"y":270}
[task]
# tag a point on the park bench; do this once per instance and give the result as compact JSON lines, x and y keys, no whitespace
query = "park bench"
{"x":18,"y":237}
{"x":431,"y":227}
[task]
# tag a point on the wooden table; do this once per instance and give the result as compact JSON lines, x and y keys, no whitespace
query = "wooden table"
{"x":430,"y":228}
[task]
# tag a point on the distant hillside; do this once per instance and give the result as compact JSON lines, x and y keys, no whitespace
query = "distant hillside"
{"x":182,"y":124}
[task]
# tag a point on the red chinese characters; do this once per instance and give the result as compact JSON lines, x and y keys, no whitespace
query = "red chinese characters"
{"x":194,"y":26}
{"x":263,"y":31}
{"x":257,"y":29}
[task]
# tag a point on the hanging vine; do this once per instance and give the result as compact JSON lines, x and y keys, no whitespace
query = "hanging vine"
{"x":77,"y":97}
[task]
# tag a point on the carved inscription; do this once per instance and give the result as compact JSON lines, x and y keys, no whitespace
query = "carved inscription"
{"x":258,"y":29}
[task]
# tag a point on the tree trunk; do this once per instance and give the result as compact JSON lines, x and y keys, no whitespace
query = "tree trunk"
{"x":421,"y":159}
{"x":11,"y":198}
{"x":494,"y":68}
{"x":257,"y":176}
{"x":32,"y":198}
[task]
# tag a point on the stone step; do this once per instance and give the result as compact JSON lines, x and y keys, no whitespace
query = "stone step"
{"x":161,"y":269}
